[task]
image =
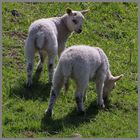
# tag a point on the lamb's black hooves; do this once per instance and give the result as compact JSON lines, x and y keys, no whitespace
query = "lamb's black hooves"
{"x":102,"y":106}
{"x":48,"y":114}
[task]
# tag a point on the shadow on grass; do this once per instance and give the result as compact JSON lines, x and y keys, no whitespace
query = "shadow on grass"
{"x":38,"y":90}
{"x":41,"y":91}
{"x":71,"y":120}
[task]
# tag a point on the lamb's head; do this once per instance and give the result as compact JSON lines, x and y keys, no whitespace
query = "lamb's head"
{"x":74,"y":20}
{"x":110,"y":84}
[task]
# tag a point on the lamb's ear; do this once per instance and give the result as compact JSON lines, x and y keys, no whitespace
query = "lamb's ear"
{"x":116,"y":78}
{"x":69,"y":11}
{"x":84,"y":11}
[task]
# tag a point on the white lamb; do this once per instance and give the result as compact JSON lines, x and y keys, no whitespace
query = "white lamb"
{"x":83,"y":63}
{"x":48,"y":37}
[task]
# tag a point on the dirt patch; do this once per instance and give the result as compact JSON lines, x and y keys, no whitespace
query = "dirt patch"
{"x":16,"y":34}
{"x":29,"y":134}
{"x":13,"y":58}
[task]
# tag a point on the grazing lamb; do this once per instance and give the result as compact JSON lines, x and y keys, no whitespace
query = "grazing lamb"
{"x":83,"y":63}
{"x":48,"y":37}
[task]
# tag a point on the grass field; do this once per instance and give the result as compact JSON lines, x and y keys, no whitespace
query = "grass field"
{"x":111,"y":26}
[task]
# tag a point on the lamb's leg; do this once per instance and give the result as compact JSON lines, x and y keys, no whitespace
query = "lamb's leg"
{"x":99,"y":91}
{"x":52,"y":50}
{"x":80,"y":94}
{"x":30,"y":65}
{"x":50,"y":68}
{"x":41,"y":61}
{"x":57,"y":85}
{"x":53,"y":96}
{"x":29,"y":52}
{"x":79,"y":102}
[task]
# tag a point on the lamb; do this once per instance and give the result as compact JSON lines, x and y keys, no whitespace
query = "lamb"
{"x":83,"y":63}
{"x":48,"y":37}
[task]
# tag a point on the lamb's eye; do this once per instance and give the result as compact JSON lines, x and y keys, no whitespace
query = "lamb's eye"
{"x":75,"y":21}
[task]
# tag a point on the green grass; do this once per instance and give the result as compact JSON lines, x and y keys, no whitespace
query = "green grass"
{"x":111,"y":26}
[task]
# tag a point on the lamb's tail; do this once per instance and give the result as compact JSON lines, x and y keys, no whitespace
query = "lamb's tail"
{"x":36,"y":39}
{"x":29,"y":48}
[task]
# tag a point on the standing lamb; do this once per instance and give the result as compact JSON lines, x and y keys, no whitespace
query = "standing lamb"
{"x":48,"y":37}
{"x":83,"y":63}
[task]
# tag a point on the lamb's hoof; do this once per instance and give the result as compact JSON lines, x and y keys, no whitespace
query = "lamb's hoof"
{"x":101,"y":106}
{"x":81,"y":113}
{"x":48,"y":114}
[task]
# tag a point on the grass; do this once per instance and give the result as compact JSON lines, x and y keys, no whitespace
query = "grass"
{"x":111,"y":26}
